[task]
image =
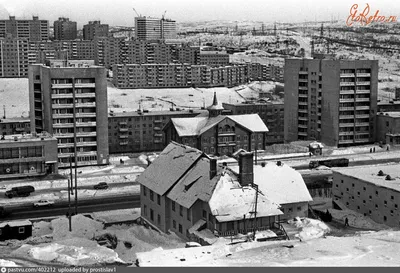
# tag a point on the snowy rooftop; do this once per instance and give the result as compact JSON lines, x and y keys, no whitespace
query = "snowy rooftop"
{"x":390,"y":114}
{"x":280,"y":184}
{"x":230,"y":201}
{"x":197,"y":126}
{"x":370,"y":174}
{"x":169,"y":166}
{"x":26,"y":137}
{"x":16,"y":223}
{"x":155,"y":113}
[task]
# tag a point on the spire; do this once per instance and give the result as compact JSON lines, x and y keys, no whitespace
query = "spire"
{"x":215,"y":101}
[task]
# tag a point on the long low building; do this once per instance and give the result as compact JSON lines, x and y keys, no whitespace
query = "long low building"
{"x":373,"y":191}
{"x":27,"y":155}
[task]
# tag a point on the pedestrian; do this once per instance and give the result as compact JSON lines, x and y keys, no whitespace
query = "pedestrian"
{"x":346,"y":222}
{"x":370,"y":150}
{"x":374,"y":149}
{"x":387,"y":148}
{"x":310,"y":154}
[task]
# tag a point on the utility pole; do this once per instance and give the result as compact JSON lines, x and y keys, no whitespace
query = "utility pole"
{"x":69,"y":193}
{"x":255,"y":186}
{"x":75,"y":152}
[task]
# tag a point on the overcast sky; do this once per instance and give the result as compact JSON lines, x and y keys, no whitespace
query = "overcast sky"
{"x":120,"y":12}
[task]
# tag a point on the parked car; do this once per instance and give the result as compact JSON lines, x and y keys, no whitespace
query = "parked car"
{"x":101,"y":186}
{"x":43,"y":203}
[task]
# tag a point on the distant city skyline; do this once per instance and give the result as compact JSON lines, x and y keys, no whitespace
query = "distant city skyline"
{"x":120,"y":12}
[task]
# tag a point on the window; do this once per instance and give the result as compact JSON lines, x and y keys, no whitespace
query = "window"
{"x":204,"y":214}
{"x":144,"y":191}
{"x":189,"y":216}
{"x":145,"y":210}
{"x":364,"y":188}
{"x":159,"y":199}
{"x":376,"y":206}
{"x":173,"y":205}
{"x":342,"y":181}
{"x":347,"y":189}
{"x":283,"y":210}
{"x":290,"y":210}
{"x":391,"y":212}
{"x":180,"y":228}
{"x":385,"y":203}
{"x":395,"y":206}
{"x":158,"y":219}
{"x":358,"y":207}
{"x":298,"y":208}
{"x":180,"y":210}
{"x":352,"y":185}
{"x":174,"y":224}
{"x":392,"y":197}
{"x":347,"y":203}
{"x":151,"y":215}
{"x":376,"y":192}
{"x":151,"y":195}
{"x":21,"y":230}
{"x":370,"y":197}
{"x":358,"y":193}
{"x":384,"y":218}
{"x":364,"y":201}
{"x":337,"y":186}
{"x":210,"y":217}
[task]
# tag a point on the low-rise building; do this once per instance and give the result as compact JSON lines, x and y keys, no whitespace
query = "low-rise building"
{"x":27,"y":155}
{"x":187,"y":192}
{"x":12,"y":126}
{"x":141,"y":131}
{"x":388,"y":128}
{"x":369,"y":190}
{"x":271,"y":114}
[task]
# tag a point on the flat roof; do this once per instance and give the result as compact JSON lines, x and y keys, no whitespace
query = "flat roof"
{"x":154,"y":113}
{"x":390,"y":114}
{"x":370,"y":174}
{"x":13,"y":120}
{"x":26,"y":137}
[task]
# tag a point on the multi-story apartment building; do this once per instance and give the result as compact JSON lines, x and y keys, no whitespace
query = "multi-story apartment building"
{"x":14,"y":57}
{"x":388,"y":128}
{"x":95,"y":29}
{"x":271,"y":114}
{"x":177,"y":75}
{"x":27,"y":155}
{"x":332,"y":101}
{"x":213,"y":58}
{"x":33,"y":30}
{"x":71,"y":104}
{"x":64,"y":29}
{"x":13,"y":126}
{"x":369,"y":190}
{"x":147,"y":28}
{"x":141,"y":131}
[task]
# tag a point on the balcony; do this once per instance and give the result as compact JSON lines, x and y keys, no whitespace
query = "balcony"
{"x":85,"y":95}
{"x":347,"y":83}
{"x":303,"y":88}
{"x":345,"y":141}
{"x":346,"y":124}
{"x":86,"y":104}
{"x":85,"y":115}
{"x":364,"y":91}
{"x":362,"y":107}
{"x":157,"y":128}
{"x":61,"y":85}
{"x":158,"y":135}
{"x":123,"y":129}
{"x":85,"y":85}
{"x":302,"y":133}
{"x":63,"y":116}
{"x":123,"y":143}
{"x":303,"y":111}
{"x":346,"y":100}
{"x":122,"y":123}
{"x":63,"y":125}
{"x":61,"y":96}
{"x":123,"y":136}
{"x":303,"y":103}
{"x":157,"y":141}
{"x":346,"y":117}
{"x":226,"y":133}
{"x":88,"y":143}
{"x":362,"y":99}
{"x":303,"y":80}
{"x":362,"y":123}
{"x":362,"y":140}
{"x":346,"y":133}
{"x":301,"y":95}
{"x":303,"y":72}
{"x":362,"y":116}
{"x":302,"y":126}
{"x":345,"y":92}
{"x":363,"y":83}
{"x":363,"y":74}
{"x":86,"y":124}
{"x":303,"y":118}
{"x":346,"y":108}
{"x":347,"y":75}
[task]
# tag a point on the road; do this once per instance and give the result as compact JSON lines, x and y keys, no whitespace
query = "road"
{"x":27,"y":211}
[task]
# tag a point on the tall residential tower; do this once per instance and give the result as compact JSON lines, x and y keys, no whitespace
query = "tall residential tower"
{"x":332,"y":101}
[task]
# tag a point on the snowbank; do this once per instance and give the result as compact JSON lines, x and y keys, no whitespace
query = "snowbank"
{"x":310,"y":228}
{"x":41,"y":228}
{"x":7,"y":263}
{"x":77,"y":252}
{"x":81,"y":227}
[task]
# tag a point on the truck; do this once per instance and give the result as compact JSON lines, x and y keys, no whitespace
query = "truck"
{"x":337,"y":162}
{"x":21,"y":191}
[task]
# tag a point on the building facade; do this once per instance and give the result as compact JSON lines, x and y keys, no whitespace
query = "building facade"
{"x":71,"y":104}
{"x":27,"y":155}
{"x":332,"y":101}
{"x":388,"y":128}
{"x":64,"y":29}
{"x":369,"y":191}
{"x":33,"y":30}
{"x":271,"y":113}
{"x":14,"y":57}
{"x":13,"y":126}
{"x":214,"y":58}
{"x":141,"y":131}
{"x":95,"y":29}
{"x":147,"y":28}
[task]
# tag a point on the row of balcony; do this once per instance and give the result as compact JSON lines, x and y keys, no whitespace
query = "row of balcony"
{"x":78,"y":144}
{"x":78,"y":124}
{"x":70,"y":95}
{"x":70,"y":105}
{"x":353,"y":83}
{"x":78,"y":115}
{"x":69,"y":85}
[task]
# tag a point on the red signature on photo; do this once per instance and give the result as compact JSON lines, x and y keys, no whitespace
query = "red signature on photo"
{"x":364,"y":18}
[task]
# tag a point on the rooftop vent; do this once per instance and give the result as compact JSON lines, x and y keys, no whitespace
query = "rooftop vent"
{"x":380,"y":173}
{"x":279,"y":163}
{"x":263,"y":164}
{"x":388,"y":177}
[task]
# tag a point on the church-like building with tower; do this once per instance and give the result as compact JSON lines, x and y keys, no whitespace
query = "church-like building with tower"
{"x":218,"y":134}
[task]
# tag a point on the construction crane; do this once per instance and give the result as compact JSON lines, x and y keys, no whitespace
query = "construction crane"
{"x":136,"y":12}
{"x":163,"y":16}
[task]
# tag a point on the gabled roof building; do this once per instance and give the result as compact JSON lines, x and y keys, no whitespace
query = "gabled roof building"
{"x":187,"y":192}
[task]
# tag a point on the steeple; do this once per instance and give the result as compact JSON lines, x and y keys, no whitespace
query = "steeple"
{"x":214,"y":109}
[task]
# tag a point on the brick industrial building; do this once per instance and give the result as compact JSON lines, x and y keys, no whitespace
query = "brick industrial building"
{"x":71,"y":104}
{"x":332,"y":101}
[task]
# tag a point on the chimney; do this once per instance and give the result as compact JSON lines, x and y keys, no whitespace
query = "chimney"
{"x":246,"y":174}
{"x":213,"y":167}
